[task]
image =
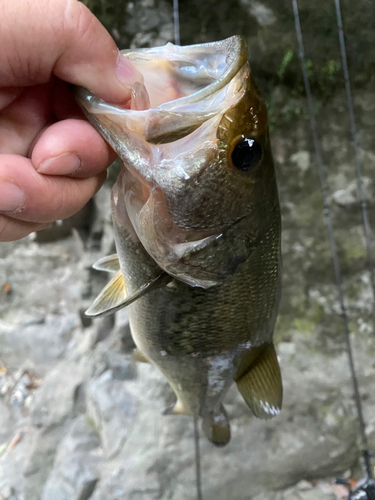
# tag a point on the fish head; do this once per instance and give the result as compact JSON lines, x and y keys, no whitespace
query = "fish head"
{"x":197,"y":182}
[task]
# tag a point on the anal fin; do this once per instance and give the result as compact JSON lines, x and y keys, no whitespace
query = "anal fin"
{"x":216,"y":427}
{"x":178,"y":408}
{"x":261,"y":385}
{"x":113,"y":297}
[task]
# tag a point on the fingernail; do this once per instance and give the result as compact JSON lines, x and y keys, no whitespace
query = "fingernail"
{"x":64,"y":164}
{"x":12,"y":198}
{"x":126,"y":72}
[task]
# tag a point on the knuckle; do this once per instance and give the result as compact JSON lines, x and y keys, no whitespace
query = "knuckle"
{"x":81,"y":20}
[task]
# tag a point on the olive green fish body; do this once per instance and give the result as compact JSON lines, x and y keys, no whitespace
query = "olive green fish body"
{"x":197,"y":228}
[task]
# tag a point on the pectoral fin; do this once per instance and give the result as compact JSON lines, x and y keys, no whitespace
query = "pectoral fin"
{"x":110,"y":263}
{"x":261,"y":386}
{"x":114,"y":297}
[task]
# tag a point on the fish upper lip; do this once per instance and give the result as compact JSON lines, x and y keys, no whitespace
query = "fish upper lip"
{"x":234,"y":47}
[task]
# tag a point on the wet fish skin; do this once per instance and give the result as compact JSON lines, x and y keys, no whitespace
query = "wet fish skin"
{"x":185,"y":215}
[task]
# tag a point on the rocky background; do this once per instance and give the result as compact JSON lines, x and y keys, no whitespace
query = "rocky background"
{"x":79,"y":419}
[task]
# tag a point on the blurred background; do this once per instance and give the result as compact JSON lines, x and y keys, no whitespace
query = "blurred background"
{"x":80,"y":420}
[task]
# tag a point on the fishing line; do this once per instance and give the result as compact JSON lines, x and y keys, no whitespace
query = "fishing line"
{"x":197,"y":460}
{"x":329,"y":223}
{"x":176,"y":23}
{"x":357,"y":159}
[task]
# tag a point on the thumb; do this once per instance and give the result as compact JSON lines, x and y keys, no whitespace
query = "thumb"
{"x":91,"y":59}
{"x":61,"y":37}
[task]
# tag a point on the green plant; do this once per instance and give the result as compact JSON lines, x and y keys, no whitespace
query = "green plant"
{"x":288,"y":56}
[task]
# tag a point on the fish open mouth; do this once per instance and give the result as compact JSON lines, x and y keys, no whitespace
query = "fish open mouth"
{"x":172,"y":72}
{"x":182,"y":87}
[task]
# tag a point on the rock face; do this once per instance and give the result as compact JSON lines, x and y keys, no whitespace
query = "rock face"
{"x":79,"y":419}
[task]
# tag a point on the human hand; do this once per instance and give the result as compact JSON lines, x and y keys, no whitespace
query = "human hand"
{"x":51,"y":160}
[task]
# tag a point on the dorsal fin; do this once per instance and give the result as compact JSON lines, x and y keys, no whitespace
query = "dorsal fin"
{"x":261,"y":386}
{"x":110,"y":263}
{"x":113,"y":297}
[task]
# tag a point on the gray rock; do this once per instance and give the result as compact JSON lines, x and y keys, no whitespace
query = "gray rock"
{"x":44,"y":274}
{"x":15,"y":445}
{"x":302,"y":160}
{"x":34,"y":341}
{"x":349,"y":197}
{"x":9,"y":493}
{"x":302,"y":491}
{"x":63,"y":228}
{"x":60,"y":396}
{"x":5,"y":418}
{"x":77,"y":464}
{"x":40,"y":458}
{"x":112,"y":410}
{"x":263,"y":14}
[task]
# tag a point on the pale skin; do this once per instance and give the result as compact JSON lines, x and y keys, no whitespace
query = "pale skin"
{"x":51,"y":160}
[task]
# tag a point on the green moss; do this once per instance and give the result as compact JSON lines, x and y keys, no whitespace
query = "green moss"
{"x":353,"y":247}
{"x":330,"y":69}
{"x":309,"y":67}
{"x":322,"y":78}
{"x":288,"y":56}
{"x":304,"y":325}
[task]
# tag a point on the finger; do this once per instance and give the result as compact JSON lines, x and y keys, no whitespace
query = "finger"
{"x":8,"y":95}
{"x":63,"y":103}
{"x":71,"y":147}
{"x":91,"y":58}
{"x":13,"y":229}
{"x":29,"y":196}
{"x":22,"y":120}
{"x":62,"y":38}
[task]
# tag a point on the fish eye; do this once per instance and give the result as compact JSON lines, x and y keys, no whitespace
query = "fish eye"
{"x":246,"y":154}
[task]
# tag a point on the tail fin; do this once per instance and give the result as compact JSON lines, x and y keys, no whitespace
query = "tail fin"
{"x":216,"y":427}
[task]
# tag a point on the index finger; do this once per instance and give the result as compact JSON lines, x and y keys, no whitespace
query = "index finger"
{"x":71,"y":147}
{"x":29,"y":196}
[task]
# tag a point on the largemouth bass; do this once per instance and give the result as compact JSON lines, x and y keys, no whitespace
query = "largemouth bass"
{"x":197,"y":227}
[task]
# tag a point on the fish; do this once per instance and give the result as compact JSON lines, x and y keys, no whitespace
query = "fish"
{"x":197,"y":228}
